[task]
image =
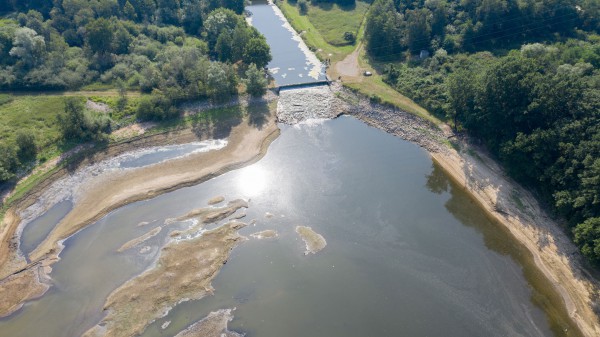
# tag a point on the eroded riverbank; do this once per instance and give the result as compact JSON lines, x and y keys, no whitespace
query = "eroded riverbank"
{"x":248,"y":140}
{"x":507,"y":203}
{"x":438,"y":263}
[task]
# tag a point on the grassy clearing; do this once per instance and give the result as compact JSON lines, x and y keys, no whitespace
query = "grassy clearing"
{"x":229,"y":116}
{"x":311,"y":35}
{"x":333,"y":20}
{"x":375,"y":87}
{"x":36,"y":114}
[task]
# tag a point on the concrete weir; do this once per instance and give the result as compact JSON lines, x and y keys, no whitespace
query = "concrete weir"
{"x":305,"y":102}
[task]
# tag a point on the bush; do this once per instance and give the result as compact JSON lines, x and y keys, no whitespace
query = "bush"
{"x":156,"y":108}
{"x":302,"y":7}
{"x":8,"y":162}
{"x":349,"y":36}
{"x":256,"y":83}
{"x":27,"y":148}
{"x":78,"y":124}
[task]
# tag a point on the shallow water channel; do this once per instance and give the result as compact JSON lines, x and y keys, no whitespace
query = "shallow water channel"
{"x":408,"y":253}
{"x":292,"y":62}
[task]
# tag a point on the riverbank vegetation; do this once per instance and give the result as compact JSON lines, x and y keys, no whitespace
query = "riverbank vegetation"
{"x":523,"y":78}
{"x":317,"y":29}
{"x":338,"y":22}
{"x":170,"y":51}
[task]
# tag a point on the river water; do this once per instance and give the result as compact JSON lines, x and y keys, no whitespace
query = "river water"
{"x":408,"y":253}
{"x":292,"y":62}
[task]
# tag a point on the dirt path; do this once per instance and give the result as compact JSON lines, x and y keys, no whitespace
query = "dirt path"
{"x":349,"y":67}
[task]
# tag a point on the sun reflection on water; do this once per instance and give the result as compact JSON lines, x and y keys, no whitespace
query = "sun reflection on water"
{"x":252,"y":180}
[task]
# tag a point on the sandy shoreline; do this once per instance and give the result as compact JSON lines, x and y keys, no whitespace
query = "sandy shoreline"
{"x":504,"y":201}
{"x":247,"y":142}
{"x":551,"y":249}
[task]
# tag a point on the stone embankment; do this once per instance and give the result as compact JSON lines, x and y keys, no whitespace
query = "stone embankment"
{"x":391,"y":120}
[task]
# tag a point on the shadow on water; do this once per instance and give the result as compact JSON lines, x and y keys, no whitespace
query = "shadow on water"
{"x":497,"y":238}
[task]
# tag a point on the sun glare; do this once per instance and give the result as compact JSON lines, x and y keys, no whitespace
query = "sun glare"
{"x":252,"y":180}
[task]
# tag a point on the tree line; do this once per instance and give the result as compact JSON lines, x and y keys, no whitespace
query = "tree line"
{"x":521,"y":76}
{"x":398,"y":27}
{"x":171,"y":49}
{"x":144,"y":44}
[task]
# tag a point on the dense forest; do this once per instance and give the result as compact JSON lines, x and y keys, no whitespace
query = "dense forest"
{"x":163,"y":44}
{"x":175,"y":50}
{"x":521,"y":76}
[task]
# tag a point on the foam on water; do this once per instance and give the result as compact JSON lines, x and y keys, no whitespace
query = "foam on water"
{"x":307,"y":105}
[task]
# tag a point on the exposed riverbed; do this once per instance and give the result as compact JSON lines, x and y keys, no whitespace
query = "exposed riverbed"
{"x":404,"y":247}
{"x":398,"y":247}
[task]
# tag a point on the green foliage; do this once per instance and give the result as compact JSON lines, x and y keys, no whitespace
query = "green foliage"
{"x":221,"y":81}
{"x":99,"y":35}
{"x":28,"y":47}
{"x":302,"y":7}
{"x":349,"y":36}
{"x":27,"y":148}
{"x":8,"y":162}
{"x":396,"y":28}
{"x":76,"y":123}
{"x":383,"y":32}
{"x":157,"y":107}
{"x":257,"y":52}
{"x":587,"y":236}
{"x":70,"y":44}
{"x":256,"y":83}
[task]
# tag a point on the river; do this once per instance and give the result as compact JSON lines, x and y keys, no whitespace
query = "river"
{"x":408,"y":252}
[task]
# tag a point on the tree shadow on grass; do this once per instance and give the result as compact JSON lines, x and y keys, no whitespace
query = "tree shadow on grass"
{"x":258,"y":114}
{"x":217,"y":123}
{"x":346,"y":7}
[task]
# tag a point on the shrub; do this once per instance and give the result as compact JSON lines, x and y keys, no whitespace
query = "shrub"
{"x":349,"y":36}
{"x":302,"y":7}
{"x":27,"y":148}
{"x":156,"y":107}
{"x":78,"y":124}
{"x":256,"y":83}
{"x":8,"y":162}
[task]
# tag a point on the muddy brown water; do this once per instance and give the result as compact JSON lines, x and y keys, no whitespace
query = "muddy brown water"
{"x":408,"y":253}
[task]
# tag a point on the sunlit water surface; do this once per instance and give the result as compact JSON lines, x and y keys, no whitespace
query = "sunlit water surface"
{"x":408,"y":253}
